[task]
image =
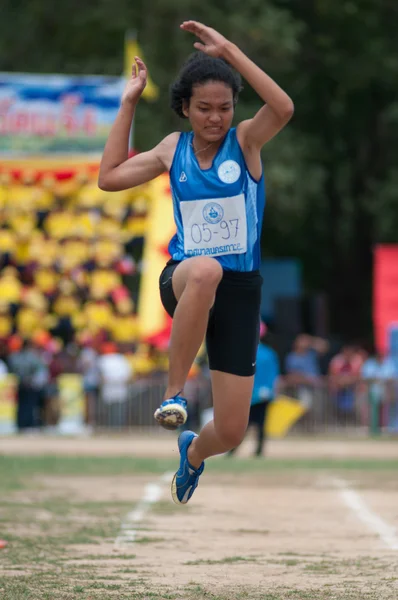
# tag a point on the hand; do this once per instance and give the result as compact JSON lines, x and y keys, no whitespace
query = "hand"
{"x":213,"y":42}
{"x":136,"y":84}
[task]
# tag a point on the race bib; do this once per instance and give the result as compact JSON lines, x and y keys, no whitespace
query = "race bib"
{"x":214,"y":227}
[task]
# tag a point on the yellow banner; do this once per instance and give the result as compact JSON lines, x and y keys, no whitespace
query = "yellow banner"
{"x":8,"y":404}
{"x":161,"y":228}
{"x":72,"y":404}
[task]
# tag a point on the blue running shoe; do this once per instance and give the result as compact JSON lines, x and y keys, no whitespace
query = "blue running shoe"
{"x":172,"y":412}
{"x":186,"y":479}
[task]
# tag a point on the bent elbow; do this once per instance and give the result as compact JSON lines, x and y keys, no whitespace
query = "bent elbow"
{"x":103,"y":184}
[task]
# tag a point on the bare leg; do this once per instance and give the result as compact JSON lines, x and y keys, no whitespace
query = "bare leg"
{"x":195,"y":282}
{"x":231,"y":399}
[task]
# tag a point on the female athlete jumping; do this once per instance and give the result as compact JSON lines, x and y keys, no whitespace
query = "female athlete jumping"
{"x":212,"y":285}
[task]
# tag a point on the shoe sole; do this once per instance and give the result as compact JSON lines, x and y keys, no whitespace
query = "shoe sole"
{"x":171,"y":417}
{"x":174,"y":490}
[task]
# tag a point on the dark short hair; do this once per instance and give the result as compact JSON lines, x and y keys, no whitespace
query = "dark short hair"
{"x":198,"y":69}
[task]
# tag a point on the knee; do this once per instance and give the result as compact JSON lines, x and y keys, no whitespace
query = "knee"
{"x":231,"y":435}
{"x":206,"y":274}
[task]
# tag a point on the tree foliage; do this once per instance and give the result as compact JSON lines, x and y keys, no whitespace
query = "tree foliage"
{"x":331,"y":175}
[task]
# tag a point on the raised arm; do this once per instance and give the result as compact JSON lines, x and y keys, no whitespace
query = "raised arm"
{"x":117,"y":171}
{"x":278,"y":108}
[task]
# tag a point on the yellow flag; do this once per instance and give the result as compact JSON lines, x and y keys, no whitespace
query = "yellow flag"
{"x":132,"y":49}
{"x":283,"y":413}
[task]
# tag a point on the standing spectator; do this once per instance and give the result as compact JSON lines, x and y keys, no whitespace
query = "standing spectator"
{"x":55,"y":367}
{"x":30,"y":369}
{"x":67,"y":358}
{"x":88,"y":363}
{"x":344,"y":373}
{"x":265,"y":382}
{"x":378,"y":366}
{"x":302,"y":366}
{"x":380,"y":372}
{"x":115,"y":376}
{"x":3,"y":358}
{"x":3,"y":369}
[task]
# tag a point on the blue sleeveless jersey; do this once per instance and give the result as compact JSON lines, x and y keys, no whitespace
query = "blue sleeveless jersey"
{"x":218,"y":211}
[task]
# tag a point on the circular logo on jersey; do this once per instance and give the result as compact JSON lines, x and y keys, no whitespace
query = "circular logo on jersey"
{"x":229,"y":171}
{"x":213,"y":212}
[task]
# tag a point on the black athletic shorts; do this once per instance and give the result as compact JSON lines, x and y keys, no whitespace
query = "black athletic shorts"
{"x":234,"y":323}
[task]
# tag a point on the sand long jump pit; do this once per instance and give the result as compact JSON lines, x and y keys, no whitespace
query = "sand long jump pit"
{"x":307,"y":522}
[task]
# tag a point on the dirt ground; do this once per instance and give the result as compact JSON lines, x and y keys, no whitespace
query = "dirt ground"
{"x":157,"y":443}
{"x":276,"y":533}
{"x":256,"y":533}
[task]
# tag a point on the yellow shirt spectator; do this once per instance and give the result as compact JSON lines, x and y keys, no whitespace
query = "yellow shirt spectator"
{"x":4,"y":191}
{"x":81,"y":278}
{"x":114,"y":210}
{"x":22,"y":196}
{"x":142,"y":362}
{"x":36,"y":244}
{"x":108,"y":227}
{"x":124,"y":328}
{"x":59,"y":224}
{"x":10,"y":287}
{"x":107,"y":251}
{"x":23,"y":222}
{"x":98,"y":315}
{"x":7,"y":241}
{"x":34,"y":298}
{"x":74,"y":253}
{"x":83,"y":225}
{"x":22,"y":250}
{"x":103,"y":281}
{"x":67,"y":188}
{"x":66,"y":305}
{"x":28,"y":320}
{"x":6,"y":323}
{"x":5,"y":326}
{"x":45,"y":252}
{"x":46,"y":280}
{"x":45,"y":199}
{"x":140,"y":197}
{"x":135,"y":226}
{"x":90,"y":196}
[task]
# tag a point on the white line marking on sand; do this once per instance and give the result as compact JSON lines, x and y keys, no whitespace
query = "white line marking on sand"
{"x":152,"y":494}
{"x":353,"y":500}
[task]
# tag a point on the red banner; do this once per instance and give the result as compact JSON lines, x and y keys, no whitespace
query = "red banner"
{"x":385,"y":293}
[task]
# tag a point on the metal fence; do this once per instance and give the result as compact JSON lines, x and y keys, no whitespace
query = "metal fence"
{"x":368,"y":406}
{"x":143,"y":398}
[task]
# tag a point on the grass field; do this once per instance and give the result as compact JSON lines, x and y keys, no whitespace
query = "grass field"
{"x":292,"y":526}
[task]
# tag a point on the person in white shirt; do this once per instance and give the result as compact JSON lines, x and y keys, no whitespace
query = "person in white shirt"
{"x":3,"y":369}
{"x":115,"y":375}
{"x":381,"y":374}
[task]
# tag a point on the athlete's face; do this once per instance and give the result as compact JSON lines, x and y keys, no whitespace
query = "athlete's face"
{"x":210,"y":110}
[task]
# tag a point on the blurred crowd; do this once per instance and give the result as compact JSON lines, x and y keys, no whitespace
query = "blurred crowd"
{"x":353,"y":372}
{"x":69,"y":256}
{"x":319,"y":379}
{"x":66,"y":259}
{"x":106,"y":371}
